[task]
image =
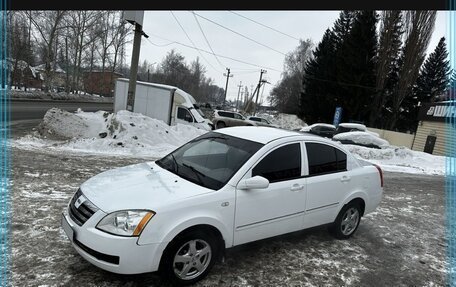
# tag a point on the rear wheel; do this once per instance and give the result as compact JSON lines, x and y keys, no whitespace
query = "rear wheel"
{"x":190,"y":256}
{"x":220,"y":125}
{"x":347,"y":221}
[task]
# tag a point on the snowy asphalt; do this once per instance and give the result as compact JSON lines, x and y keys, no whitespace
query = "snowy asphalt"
{"x":401,"y":244}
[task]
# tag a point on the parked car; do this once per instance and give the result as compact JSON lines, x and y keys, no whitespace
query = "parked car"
{"x":353,"y":127}
{"x":260,"y":121}
{"x":222,"y":189}
{"x":321,"y":129}
{"x":224,"y":119}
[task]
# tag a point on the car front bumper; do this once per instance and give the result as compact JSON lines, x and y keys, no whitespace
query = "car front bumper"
{"x":117,"y":254}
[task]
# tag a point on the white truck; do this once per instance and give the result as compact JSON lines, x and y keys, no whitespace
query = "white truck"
{"x":167,"y":103}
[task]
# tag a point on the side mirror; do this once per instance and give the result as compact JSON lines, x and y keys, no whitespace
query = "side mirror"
{"x":256,"y":182}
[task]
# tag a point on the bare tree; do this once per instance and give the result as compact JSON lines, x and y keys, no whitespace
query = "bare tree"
{"x":80,"y":23}
{"x":418,"y":32}
{"x":48,"y":24}
{"x":120,"y":38}
{"x":286,"y":93}
{"x":391,"y":30}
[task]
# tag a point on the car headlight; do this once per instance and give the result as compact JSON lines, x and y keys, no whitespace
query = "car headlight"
{"x":125,"y":222}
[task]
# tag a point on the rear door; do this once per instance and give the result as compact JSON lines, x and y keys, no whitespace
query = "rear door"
{"x":278,"y":209}
{"x":328,"y":183}
{"x":238,"y":120}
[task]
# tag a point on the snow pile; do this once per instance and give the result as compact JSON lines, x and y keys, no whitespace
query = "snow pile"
{"x":363,"y":138}
{"x":401,"y":159}
{"x":123,"y":133}
{"x":308,"y":128}
{"x":287,"y":121}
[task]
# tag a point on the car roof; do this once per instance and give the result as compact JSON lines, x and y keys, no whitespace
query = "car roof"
{"x":262,"y":134}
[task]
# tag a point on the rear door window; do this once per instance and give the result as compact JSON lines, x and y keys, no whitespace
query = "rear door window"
{"x":325,"y":159}
{"x":280,"y":164}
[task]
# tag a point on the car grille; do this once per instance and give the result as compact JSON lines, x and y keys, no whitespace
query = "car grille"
{"x":81,"y":214}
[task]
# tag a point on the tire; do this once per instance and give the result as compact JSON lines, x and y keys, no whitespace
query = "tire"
{"x":190,"y":257}
{"x":347,"y":221}
{"x":221,"y":125}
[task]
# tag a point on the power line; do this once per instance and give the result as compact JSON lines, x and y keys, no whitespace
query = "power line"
{"x":242,"y":35}
{"x":261,"y":24}
{"x":207,"y":41}
{"x":205,"y":51}
{"x":188,"y":37}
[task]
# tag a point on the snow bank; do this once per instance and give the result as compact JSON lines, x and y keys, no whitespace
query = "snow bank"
{"x":123,"y":133}
{"x":287,"y":121}
{"x":401,"y":159}
{"x":60,"y":96}
{"x":364,"y":138}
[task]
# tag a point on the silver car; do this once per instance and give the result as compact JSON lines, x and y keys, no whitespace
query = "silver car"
{"x":261,"y":121}
{"x":230,"y":119}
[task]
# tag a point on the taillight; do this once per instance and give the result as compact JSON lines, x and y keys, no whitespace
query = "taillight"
{"x":381,"y":174}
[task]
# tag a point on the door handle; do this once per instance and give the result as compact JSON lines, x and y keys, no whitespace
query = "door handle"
{"x":345,"y":178}
{"x":297,"y":187}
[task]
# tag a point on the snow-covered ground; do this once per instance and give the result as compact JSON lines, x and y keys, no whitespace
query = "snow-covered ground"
{"x":134,"y":135}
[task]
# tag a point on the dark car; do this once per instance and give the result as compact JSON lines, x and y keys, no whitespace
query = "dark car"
{"x":320,"y":129}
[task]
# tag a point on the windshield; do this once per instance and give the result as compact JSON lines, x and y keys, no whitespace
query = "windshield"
{"x":210,"y":160}
{"x":197,"y":108}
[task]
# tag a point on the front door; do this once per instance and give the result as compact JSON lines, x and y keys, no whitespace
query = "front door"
{"x":278,"y":209}
{"x":184,"y":116}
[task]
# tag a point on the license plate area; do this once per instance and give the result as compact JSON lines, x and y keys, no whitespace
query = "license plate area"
{"x":67,"y":228}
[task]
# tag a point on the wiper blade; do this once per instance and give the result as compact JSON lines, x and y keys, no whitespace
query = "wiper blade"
{"x":194,"y":169}
{"x":175,"y":163}
{"x":196,"y":172}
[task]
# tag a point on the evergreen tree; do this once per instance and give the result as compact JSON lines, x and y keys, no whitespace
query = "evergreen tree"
{"x":317,"y":102}
{"x":356,"y":77}
{"x":342,"y":26}
{"x":434,"y":77}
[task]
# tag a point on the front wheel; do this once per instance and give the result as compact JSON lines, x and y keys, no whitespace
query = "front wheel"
{"x":190,"y":257}
{"x":347,"y":221}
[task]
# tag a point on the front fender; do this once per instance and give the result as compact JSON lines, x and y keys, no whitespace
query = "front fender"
{"x":163,"y":233}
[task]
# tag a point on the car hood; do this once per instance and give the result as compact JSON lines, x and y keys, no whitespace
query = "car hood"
{"x":138,"y":186}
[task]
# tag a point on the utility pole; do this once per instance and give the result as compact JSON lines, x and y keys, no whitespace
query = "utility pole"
{"x":135,"y":18}
{"x":226,"y":87}
{"x":237,"y":99}
{"x":258,"y":91}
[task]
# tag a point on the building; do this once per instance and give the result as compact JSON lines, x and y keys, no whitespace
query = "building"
{"x":23,"y":75}
{"x":100,"y":83}
{"x":433,"y":127}
{"x":58,"y":75}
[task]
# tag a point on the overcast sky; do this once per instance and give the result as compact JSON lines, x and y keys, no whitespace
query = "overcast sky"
{"x":298,"y":24}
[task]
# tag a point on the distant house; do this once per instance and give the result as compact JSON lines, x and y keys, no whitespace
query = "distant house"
{"x":23,"y":75}
{"x":59,"y":75}
{"x":100,"y":83}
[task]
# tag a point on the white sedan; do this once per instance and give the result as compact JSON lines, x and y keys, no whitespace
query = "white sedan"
{"x":222,"y":189}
